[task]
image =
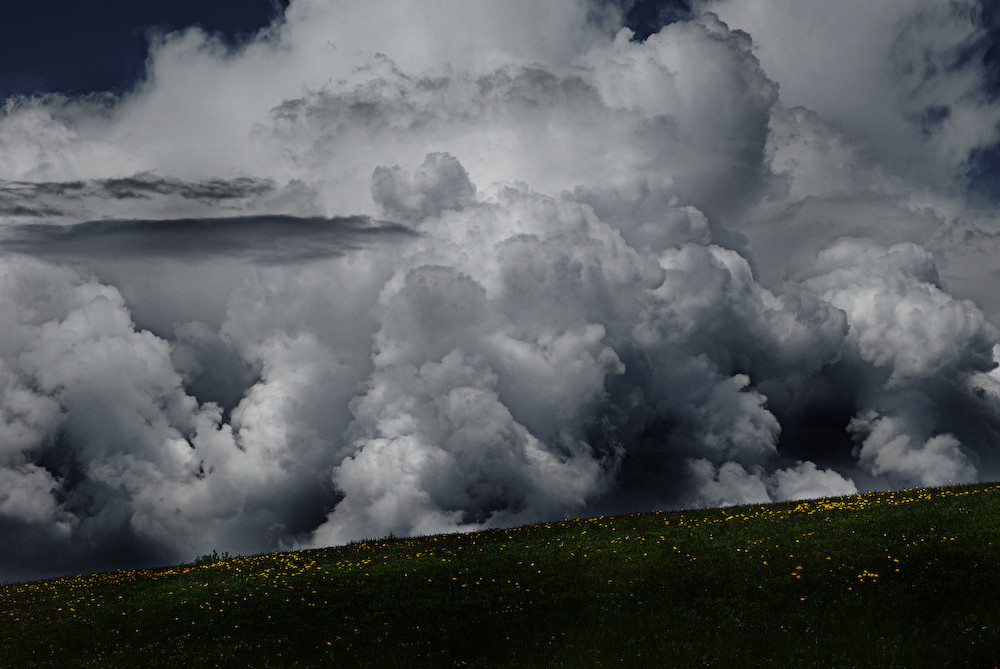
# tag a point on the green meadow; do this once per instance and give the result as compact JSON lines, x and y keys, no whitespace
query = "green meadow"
{"x":897,"y":579}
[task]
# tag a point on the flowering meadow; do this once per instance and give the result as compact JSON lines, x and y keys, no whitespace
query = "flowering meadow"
{"x":907,"y":578}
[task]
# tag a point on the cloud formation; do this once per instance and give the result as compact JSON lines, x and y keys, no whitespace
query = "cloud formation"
{"x":434,"y":266}
{"x":263,"y":238}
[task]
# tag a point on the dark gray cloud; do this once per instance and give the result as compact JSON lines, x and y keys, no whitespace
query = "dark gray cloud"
{"x":40,"y":199}
{"x":271,"y":238}
{"x":212,"y":190}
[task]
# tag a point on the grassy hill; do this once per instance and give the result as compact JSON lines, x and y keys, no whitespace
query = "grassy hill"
{"x":907,"y":579}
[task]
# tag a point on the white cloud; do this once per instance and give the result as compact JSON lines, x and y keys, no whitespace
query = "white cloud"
{"x":806,"y":481}
{"x":895,"y":446}
{"x":631,"y":271}
{"x":900,"y":319}
{"x":900,"y":74}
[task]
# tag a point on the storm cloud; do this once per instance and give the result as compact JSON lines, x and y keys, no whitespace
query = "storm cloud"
{"x":439,"y":266}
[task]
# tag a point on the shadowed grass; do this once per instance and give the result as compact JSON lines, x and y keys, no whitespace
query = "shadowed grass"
{"x":897,"y":579}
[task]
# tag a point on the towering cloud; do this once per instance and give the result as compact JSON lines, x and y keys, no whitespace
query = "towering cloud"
{"x":420,"y":267}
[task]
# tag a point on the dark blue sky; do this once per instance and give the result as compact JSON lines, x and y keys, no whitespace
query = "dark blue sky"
{"x":78,"y":46}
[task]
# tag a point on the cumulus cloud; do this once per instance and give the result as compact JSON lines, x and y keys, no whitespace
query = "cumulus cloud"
{"x":894,"y":445}
{"x":429,"y":267}
{"x":901,"y":320}
{"x":441,"y":183}
{"x":907,"y":76}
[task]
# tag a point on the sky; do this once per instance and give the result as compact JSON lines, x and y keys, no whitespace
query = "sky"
{"x":282,"y":275}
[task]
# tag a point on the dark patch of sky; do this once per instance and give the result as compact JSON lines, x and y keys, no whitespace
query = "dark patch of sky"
{"x":646,"y":17}
{"x":75,"y":47}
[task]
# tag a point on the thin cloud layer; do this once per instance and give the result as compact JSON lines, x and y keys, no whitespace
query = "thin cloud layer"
{"x":274,"y":238}
{"x":433,"y":267}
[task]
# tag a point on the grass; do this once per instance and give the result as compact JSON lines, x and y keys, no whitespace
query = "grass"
{"x":897,"y":579}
